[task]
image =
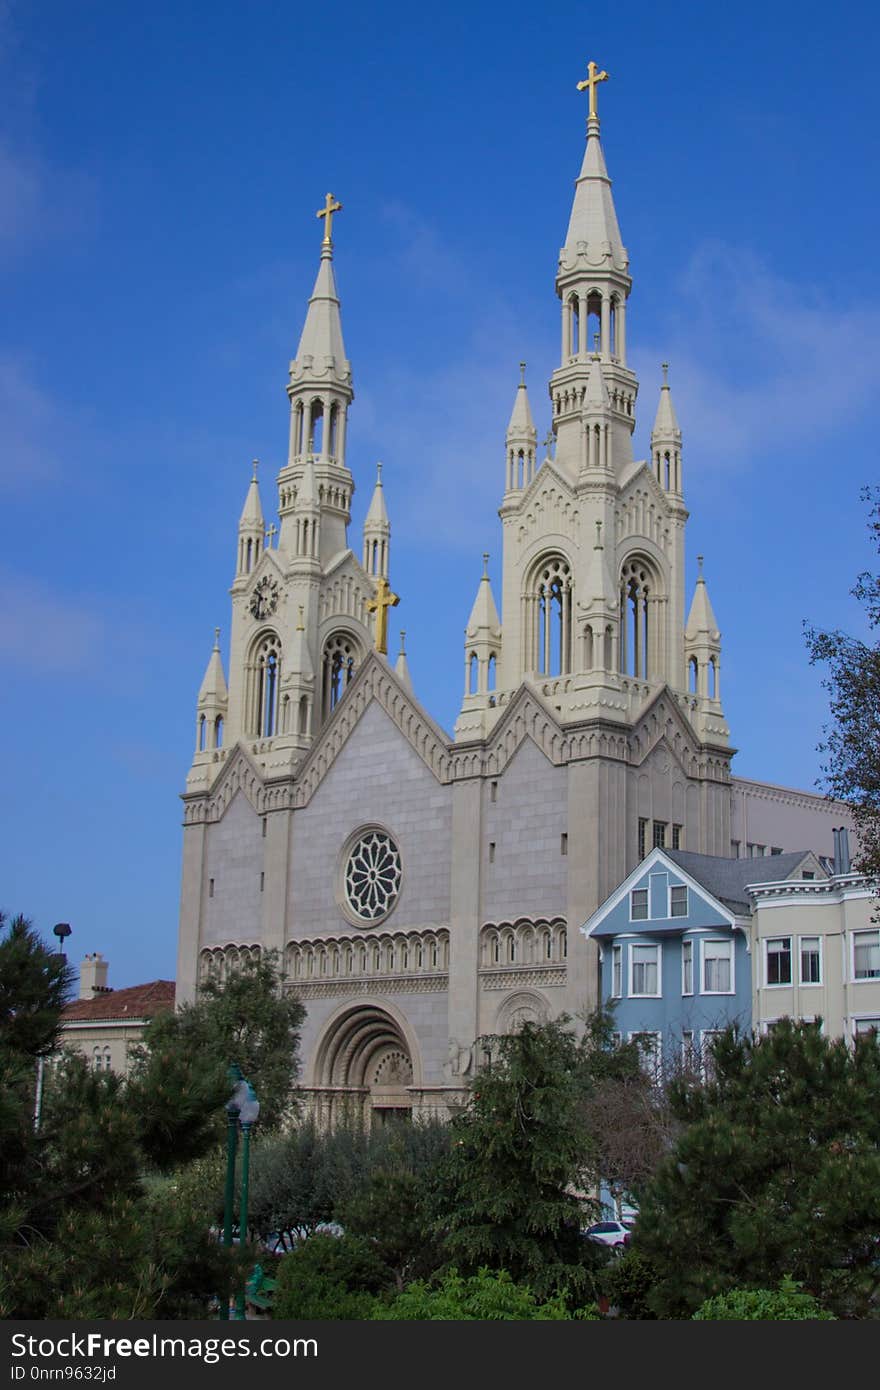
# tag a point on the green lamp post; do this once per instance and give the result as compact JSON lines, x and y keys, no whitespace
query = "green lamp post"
{"x":248,"y":1113}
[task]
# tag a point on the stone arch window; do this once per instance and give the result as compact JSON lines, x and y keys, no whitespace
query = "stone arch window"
{"x":203,"y":733}
{"x":638,"y":591}
{"x":594,"y":322}
{"x":574,"y":326}
{"x":340,"y":661}
{"x":334,"y":433}
{"x":491,"y":672}
{"x":612,"y":325}
{"x":298,"y":428}
{"x":316,"y":426}
{"x":473,"y":673}
{"x":218,"y":731}
{"x":547,"y":626}
{"x":303,"y":715}
{"x":712,"y":676}
{"x":264,"y":679}
{"x":667,"y":471}
{"x":693,"y":676}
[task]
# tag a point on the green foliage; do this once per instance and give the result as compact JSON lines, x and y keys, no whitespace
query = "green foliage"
{"x":776,"y":1172}
{"x":34,"y":986}
{"x":788,"y":1303}
{"x":852,"y":745}
{"x":627,"y":1283}
{"x":180,"y":1080}
{"x":485,"y":1296}
{"x":329,"y":1278}
{"x":521,"y":1153}
{"x":298,"y":1177}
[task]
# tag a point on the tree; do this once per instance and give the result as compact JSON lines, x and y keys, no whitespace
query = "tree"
{"x":852,"y":741}
{"x":522,"y":1159}
{"x":776,"y":1173}
{"x":180,"y":1079}
{"x":329,"y":1277}
{"x":788,"y":1303}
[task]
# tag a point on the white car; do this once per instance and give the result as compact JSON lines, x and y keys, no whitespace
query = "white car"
{"x":612,"y":1233}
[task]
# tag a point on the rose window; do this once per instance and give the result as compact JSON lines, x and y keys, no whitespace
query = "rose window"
{"x":372,"y":876}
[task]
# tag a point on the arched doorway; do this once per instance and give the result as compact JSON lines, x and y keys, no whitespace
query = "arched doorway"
{"x":364,"y":1066}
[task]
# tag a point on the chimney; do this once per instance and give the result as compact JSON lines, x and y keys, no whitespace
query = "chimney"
{"x":841,"y":851}
{"x":93,"y":976}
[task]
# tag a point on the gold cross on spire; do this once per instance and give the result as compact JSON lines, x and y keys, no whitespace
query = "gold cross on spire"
{"x":592,"y":81}
{"x":379,"y":605}
{"x":327,"y":211}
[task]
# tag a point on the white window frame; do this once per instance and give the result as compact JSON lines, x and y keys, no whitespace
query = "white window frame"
{"x":647,"y":893}
{"x":651,"y":946}
{"x":861,"y":979}
{"x":689,"y":942}
{"x":780,"y":984}
{"x":617,"y":969}
{"x":810,"y":984}
{"x":687,"y":901}
{"x":658,"y":1048}
{"x":872,"y":1019}
{"x":706,"y":1058}
{"x":717,"y":941}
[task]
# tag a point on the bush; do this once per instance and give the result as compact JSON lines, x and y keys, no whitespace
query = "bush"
{"x":329,"y":1278}
{"x":627,"y":1283}
{"x":483,"y":1297}
{"x":788,"y":1303}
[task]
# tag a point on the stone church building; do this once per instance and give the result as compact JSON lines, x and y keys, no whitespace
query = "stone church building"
{"x":423,"y":891}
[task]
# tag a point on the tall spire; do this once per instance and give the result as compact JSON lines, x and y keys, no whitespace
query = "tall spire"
{"x":401,"y":665}
{"x":593,"y":283}
{"x":321,"y":337}
{"x":211,"y":706}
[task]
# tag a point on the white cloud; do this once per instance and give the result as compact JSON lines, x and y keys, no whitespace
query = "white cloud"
{"x":29,"y":426}
{"x":759,"y":362}
{"x":42,"y":631}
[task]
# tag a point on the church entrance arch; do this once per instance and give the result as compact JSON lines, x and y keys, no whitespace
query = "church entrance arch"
{"x":365,"y":1066}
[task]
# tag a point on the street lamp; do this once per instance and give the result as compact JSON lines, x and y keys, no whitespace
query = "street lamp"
{"x":243,"y":1109}
{"x":61,"y":930}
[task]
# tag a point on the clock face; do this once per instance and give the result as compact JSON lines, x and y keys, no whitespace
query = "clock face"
{"x":264,"y":600}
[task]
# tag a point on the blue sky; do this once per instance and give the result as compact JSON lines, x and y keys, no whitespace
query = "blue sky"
{"x":160,"y":168}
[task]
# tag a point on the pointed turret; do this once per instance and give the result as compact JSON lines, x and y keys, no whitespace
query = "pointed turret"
{"x":321,"y":337}
{"x":593,"y":220}
{"x":482,"y":655}
{"x":522,"y":439}
{"x":251,"y":528}
{"x":401,"y":665}
{"x":307,"y":516}
{"x":702,"y":644}
{"x":298,"y":690}
{"x":377,"y":532}
{"x":666,"y":440}
{"x":212,"y":702}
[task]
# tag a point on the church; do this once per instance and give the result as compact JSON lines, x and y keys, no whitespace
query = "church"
{"x":421,"y":890}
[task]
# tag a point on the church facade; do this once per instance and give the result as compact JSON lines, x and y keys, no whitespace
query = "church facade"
{"x":423,"y":891}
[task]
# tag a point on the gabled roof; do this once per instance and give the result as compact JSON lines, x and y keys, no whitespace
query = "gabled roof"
{"x":666,"y":859}
{"x":727,"y":879}
{"x":139,"y":1001}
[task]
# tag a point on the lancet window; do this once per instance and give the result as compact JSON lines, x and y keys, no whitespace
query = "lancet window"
{"x":547,"y":626}
{"x":265,"y":679}
{"x":637,"y":619}
{"x":341,"y":659}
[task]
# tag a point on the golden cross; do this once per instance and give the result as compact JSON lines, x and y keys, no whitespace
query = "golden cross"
{"x":591,"y":81}
{"x":330,"y":206}
{"x":379,"y":605}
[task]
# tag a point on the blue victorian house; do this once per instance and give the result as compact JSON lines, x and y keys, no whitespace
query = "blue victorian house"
{"x":674,"y":943}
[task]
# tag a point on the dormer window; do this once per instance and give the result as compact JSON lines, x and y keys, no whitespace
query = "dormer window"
{"x":638,"y":905}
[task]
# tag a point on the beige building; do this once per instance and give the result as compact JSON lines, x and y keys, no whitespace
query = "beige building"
{"x":103,"y":1023}
{"x":421,"y":888}
{"x":816,"y":951}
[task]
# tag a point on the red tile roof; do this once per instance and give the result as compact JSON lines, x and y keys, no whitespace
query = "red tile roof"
{"x":139,"y":1001}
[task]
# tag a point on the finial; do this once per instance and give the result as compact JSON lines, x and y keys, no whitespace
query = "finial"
{"x":270,"y":535}
{"x":402,"y":652}
{"x":485,"y":564}
{"x":327,"y":211}
{"x":256,"y":466}
{"x":595,"y":344}
{"x":598,"y":545}
{"x":591,"y":82}
{"x":665,"y":366}
{"x":522,"y":373}
{"x":699,"y":569}
{"x":549,"y":440}
{"x":300,"y":627}
{"x":216,"y":639}
{"x":378,"y":475}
